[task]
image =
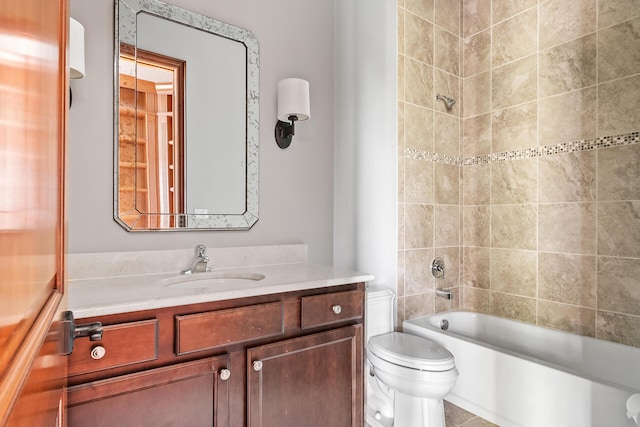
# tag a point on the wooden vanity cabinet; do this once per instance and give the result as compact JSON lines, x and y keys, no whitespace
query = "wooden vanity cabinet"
{"x":292,"y":359}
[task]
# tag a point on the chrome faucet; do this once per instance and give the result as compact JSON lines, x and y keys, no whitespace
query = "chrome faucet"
{"x":201,"y":261}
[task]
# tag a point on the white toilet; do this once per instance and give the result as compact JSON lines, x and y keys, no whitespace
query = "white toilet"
{"x":408,"y":376}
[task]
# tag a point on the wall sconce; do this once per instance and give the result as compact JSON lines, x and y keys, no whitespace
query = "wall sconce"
{"x":293,"y":105}
{"x":76,"y":52}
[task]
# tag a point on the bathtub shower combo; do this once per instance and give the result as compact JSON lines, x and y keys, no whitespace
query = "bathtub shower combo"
{"x":517,"y":374}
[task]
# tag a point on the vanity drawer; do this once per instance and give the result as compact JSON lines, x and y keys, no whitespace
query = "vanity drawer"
{"x":123,"y":344}
{"x":327,"y":309}
{"x":202,"y":331}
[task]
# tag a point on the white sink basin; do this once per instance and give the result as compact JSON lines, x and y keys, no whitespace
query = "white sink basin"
{"x":205,"y":280}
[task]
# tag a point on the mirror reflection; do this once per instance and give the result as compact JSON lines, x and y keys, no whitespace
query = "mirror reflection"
{"x":186,"y":112}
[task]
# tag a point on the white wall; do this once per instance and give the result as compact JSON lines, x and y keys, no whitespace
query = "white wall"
{"x":296,"y":185}
{"x":365,"y":189}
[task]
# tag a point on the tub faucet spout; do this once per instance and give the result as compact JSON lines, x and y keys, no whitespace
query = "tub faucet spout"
{"x":202,"y":260}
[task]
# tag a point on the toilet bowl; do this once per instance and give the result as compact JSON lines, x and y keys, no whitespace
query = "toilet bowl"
{"x":408,"y":375}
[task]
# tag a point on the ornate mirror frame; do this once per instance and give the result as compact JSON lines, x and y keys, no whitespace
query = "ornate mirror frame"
{"x":126,"y":12}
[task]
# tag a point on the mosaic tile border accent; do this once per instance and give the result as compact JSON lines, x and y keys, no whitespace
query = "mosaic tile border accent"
{"x":546,"y":150}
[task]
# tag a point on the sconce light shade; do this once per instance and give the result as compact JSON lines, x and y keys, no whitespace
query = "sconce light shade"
{"x":76,"y":49}
{"x":293,"y":105}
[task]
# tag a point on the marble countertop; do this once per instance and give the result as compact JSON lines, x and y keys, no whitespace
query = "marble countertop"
{"x":120,"y":294}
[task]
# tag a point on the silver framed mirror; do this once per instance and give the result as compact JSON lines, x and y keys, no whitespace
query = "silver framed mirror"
{"x":186,"y":120}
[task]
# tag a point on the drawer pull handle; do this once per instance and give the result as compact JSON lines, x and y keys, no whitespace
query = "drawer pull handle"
{"x":257,"y":366}
{"x":225,"y":374}
{"x":337,"y":309}
{"x":98,"y":352}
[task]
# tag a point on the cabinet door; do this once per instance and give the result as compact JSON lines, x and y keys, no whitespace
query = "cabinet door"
{"x":189,"y":394}
{"x":309,"y":381}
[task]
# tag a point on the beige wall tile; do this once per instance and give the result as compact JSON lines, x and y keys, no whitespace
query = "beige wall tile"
{"x":448,"y":85}
{"x":418,"y":38}
{"x":515,"y":38}
{"x":400,"y":226}
{"x":514,"y":272}
{"x":618,"y":285}
{"x":401,"y":78}
{"x":475,"y":299}
{"x":447,"y":134}
{"x":447,"y":15}
{"x":417,"y":271}
{"x":618,"y":328}
{"x":513,"y":226}
{"x":418,"y":128}
{"x":476,"y":16}
{"x":447,"y":227}
{"x":513,"y":307}
{"x":619,"y":229}
{"x":422,"y":8}
{"x":618,"y":110}
{"x":568,"y":66}
{"x":476,"y":136}
{"x":418,"y":226}
{"x":451,"y":258}
{"x":504,"y":9}
{"x":575,"y":171}
{"x":614,"y":11}
{"x":567,"y":278}
{"x":567,"y":227}
{"x":564,"y":20}
{"x":400,"y":313}
{"x":515,"y":83}
{"x":418,"y":83}
{"x":477,"y":53}
{"x":447,"y":51}
{"x":476,"y":184}
{"x":476,"y":92}
{"x":477,"y":223}
{"x":619,"y":173}
{"x":418,"y":179}
{"x":477,"y":267}
{"x":619,"y":50}
{"x":515,"y":128}
{"x":401,"y":179}
{"x":514,"y":182}
{"x":568,"y":117}
{"x":419,"y":306}
{"x":401,"y":14}
{"x":401,"y":274}
{"x":447,"y":184}
{"x":401,"y":133}
{"x":577,"y":320}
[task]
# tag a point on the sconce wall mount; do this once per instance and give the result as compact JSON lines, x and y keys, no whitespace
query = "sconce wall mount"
{"x":293,"y":106}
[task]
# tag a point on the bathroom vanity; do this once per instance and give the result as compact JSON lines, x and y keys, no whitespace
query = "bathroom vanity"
{"x":289,"y":353}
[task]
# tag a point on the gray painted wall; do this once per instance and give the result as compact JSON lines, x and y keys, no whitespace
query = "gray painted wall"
{"x":296,"y":185}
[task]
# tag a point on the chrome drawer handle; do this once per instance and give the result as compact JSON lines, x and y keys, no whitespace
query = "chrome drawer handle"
{"x":337,"y":309}
{"x":225,"y":374}
{"x":257,"y":366}
{"x":98,"y":352}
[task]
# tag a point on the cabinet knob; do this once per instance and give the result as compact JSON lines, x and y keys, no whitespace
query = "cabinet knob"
{"x":98,"y":352}
{"x":225,"y":374}
{"x":337,"y":309}
{"x":257,"y":365}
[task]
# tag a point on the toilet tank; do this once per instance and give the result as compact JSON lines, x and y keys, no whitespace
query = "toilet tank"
{"x":379,"y":318}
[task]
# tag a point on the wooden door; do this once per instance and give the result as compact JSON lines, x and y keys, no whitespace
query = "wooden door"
{"x":312,"y":381}
{"x":33,"y":84}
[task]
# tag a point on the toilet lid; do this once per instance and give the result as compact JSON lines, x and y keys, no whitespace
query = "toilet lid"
{"x":411,"y":351}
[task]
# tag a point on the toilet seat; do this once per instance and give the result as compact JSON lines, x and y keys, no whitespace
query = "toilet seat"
{"x":411,"y":351}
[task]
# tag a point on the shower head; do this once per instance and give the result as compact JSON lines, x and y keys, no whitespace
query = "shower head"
{"x":448,"y":102}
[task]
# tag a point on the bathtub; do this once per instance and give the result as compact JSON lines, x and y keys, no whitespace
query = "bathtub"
{"x":516,"y":374}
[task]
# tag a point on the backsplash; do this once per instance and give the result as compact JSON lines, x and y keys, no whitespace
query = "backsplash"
{"x":109,"y":264}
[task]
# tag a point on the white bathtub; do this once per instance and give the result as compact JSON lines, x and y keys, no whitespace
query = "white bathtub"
{"x":516,"y":374}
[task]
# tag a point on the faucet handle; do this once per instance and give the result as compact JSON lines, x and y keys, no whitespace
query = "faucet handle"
{"x":201,"y":251}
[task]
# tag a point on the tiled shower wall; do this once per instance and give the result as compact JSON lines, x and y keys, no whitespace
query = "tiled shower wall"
{"x":429,"y":210}
{"x":533,"y":197}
